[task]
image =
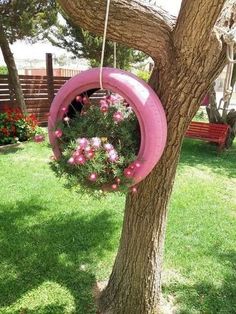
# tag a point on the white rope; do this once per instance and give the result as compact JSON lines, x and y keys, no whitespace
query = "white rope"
{"x":230,"y":53}
{"x":229,"y":73}
{"x":104,"y":41}
{"x":115,"y":53}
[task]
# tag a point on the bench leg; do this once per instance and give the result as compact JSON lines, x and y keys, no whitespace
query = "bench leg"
{"x":220,"y":147}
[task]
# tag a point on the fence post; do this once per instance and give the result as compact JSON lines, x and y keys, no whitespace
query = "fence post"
{"x":49,"y":71}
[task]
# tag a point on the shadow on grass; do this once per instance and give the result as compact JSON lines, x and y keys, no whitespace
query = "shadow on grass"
{"x":208,"y":297}
{"x":195,"y":153}
{"x":11,"y":149}
{"x":63,"y":249}
{"x":48,"y":309}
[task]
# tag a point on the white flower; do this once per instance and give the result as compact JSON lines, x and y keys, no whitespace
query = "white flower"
{"x":96,"y":142}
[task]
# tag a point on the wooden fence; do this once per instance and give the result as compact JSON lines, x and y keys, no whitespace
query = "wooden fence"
{"x":38,"y":93}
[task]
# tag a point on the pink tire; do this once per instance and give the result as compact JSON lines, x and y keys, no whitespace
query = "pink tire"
{"x":145,"y":103}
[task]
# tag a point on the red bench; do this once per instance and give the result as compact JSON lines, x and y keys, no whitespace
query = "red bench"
{"x":209,"y":132}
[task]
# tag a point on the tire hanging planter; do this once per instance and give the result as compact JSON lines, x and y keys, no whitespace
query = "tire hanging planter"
{"x":140,"y":97}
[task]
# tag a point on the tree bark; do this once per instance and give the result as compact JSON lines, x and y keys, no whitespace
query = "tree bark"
{"x":135,"y":283}
{"x":14,"y":81}
{"x":213,"y":113}
{"x":183,"y":73}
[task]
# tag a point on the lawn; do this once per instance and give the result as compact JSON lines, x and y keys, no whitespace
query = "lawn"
{"x":55,"y":243}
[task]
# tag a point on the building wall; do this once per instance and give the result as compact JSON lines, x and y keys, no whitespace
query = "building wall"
{"x":56,"y":72}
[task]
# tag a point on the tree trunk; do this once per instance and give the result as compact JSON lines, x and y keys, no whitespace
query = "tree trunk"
{"x":182,"y":74}
{"x":215,"y":116}
{"x":212,"y":108}
{"x":135,"y":284}
{"x":231,"y":121}
{"x":14,"y":82}
{"x":222,"y":114}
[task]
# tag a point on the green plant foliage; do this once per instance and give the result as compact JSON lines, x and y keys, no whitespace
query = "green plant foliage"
{"x":93,"y":125}
{"x":3,"y":70}
{"x":83,"y":44}
{"x":28,"y":18}
{"x":144,"y":75}
{"x":15,"y":126}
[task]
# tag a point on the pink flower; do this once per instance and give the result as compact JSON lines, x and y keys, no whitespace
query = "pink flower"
{"x":76,"y":153}
{"x":79,"y":148}
{"x":90,"y":154}
{"x":96,"y":142}
{"x":112,"y":155}
{"x":118,"y":116}
{"x":137,"y":164}
{"x":71,"y":161}
{"x":112,"y":99}
{"x":87,"y":148}
{"x":104,"y":107}
{"x":112,"y":152}
{"x":134,"y":165}
{"x":85,"y":100}
{"x":103,"y":102}
{"x":80,"y":160}
{"x":108,"y":147}
{"x":64,"y":109}
{"x":128,"y":173}
{"x":114,"y":186}
{"x":134,"y":189}
{"x":39,"y":138}
{"x":92,"y":177}
{"x":58,"y":133}
{"x":78,"y":98}
{"x":118,"y":180}
{"x":82,"y":142}
{"x":113,"y":158}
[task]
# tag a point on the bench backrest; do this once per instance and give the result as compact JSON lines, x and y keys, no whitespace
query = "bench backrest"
{"x":208,"y":130}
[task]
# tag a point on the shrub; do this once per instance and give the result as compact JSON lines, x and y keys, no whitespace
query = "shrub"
{"x":16,"y":126}
{"x":98,"y":146}
{"x":3,"y":70}
{"x":144,"y":75}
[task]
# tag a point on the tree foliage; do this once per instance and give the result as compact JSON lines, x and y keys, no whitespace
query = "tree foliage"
{"x":83,"y":44}
{"x":3,"y":69}
{"x":28,"y":18}
{"x":20,"y":20}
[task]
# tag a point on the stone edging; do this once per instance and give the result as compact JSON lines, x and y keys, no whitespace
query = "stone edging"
{"x":6,"y":147}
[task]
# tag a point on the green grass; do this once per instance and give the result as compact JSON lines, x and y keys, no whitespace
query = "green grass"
{"x":201,"y":235}
{"x":55,"y":243}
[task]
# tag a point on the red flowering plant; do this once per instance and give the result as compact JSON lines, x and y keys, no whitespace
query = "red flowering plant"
{"x":99,"y":145}
{"x":16,"y":126}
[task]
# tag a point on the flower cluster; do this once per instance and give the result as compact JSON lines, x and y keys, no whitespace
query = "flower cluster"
{"x":99,"y":145}
{"x":16,"y":126}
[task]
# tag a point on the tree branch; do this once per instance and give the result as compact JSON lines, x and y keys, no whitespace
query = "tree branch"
{"x":131,"y":23}
{"x":227,"y":18}
{"x":194,"y":35}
